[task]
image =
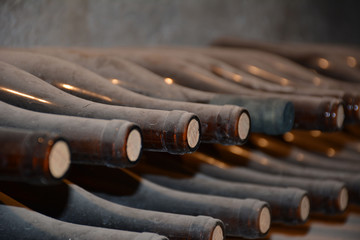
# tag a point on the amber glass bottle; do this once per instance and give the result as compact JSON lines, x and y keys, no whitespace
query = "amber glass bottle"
{"x":71,"y":203}
{"x":333,"y":60}
{"x":247,"y":218}
{"x":222,"y":124}
{"x":115,"y":143}
{"x":33,"y":156}
{"x":268,"y":115}
{"x":171,"y":131}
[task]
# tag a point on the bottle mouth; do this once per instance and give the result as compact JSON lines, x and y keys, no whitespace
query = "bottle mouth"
{"x":244,"y":126}
{"x":340,"y":116}
{"x":218,"y":233}
{"x":134,"y":145}
{"x":264,"y":220}
{"x":343,"y":199}
{"x":193,"y":133}
{"x":304,"y":208}
{"x":59,"y":159}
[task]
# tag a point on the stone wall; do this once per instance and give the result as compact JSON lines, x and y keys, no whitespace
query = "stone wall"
{"x":175,"y":22}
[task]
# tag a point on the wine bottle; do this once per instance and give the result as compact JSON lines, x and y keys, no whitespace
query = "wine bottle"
{"x":326,"y":196}
{"x":273,"y":69}
{"x":290,"y":153}
{"x":264,"y":163}
{"x":71,"y":203}
{"x":311,"y":112}
{"x":255,"y":70}
{"x":288,"y":205}
{"x":247,"y":218}
{"x":115,"y":143}
{"x":270,"y":115}
{"x":33,"y":156}
{"x":222,"y":124}
{"x":172,"y":131}
{"x":336,"y":61}
{"x":194,"y":58}
{"x":341,"y":139}
{"x":306,"y":141}
{"x":19,"y":223}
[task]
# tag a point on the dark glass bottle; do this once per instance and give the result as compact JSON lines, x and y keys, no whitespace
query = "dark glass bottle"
{"x":276,"y":69}
{"x":265,"y":163}
{"x":290,"y":153}
{"x":311,"y":112}
{"x":308,"y":141}
{"x":32,"y":156}
{"x":221,"y":124}
{"x":171,"y":131}
{"x":333,"y":60}
{"x":269,"y":115}
{"x":288,"y":205}
{"x":71,"y":203}
{"x":247,"y":218}
{"x":114,"y":143}
{"x":19,"y":223}
{"x":326,"y":196}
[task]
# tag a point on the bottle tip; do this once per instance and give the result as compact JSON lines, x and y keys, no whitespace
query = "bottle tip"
{"x":340,"y":116}
{"x":218,"y":233}
{"x":133,"y":145}
{"x":59,"y":159}
{"x":304,"y":208}
{"x":343,"y":199}
{"x":193,"y":133}
{"x":244,"y":126}
{"x":264,"y":220}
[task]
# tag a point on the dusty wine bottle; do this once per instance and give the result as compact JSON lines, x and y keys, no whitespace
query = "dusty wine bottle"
{"x":311,"y":112}
{"x":304,"y":140}
{"x":37,"y":226}
{"x":342,"y":139}
{"x":222,"y":124}
{"x":93,"y":141}
{"x":264,"y":65}
{"x":199,"y":60}
{"x":81,"y":207}
{"x":264,"y":163}
{"x":274,"y":68}
{"x":33,"y":156}
{"x":290,"y":153}
{"x":335,"y":61}
{"x":223,"y":70}
{"x":270,"y":115}
{"x":326,"y":196}
{"x":288,"y":205}
{"x":247,"y":218}
{"x":172,"y":131}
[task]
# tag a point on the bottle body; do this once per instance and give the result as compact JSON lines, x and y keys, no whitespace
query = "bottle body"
{"x":25,"y":90}
{"x":36,"y":157}
{"x":220,"y":124}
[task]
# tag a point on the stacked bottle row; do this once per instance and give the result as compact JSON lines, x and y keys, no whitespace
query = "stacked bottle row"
{"x":105,"y":109}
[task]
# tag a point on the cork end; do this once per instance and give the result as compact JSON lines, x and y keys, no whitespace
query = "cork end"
{"x":304,"y":208}
{"x":59,"y":159}
{"x":340,"y":116}
{"x":133,"y":145}
{"x":343,"y":199}
{"x":193,"y":133}
{"x":244,"y":126}
{"x":218,"y":233}
{"x":264,"y":220}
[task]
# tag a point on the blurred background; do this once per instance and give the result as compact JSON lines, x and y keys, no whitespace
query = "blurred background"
{"x":176,"y":22}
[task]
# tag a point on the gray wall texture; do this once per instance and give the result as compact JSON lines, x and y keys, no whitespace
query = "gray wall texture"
{"x":175,"y":22}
